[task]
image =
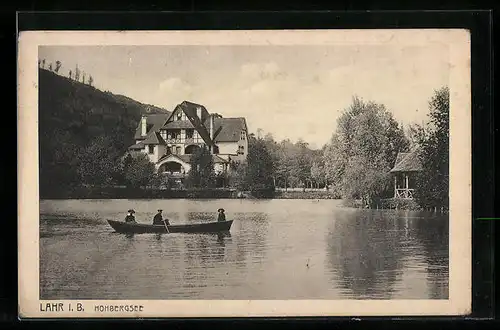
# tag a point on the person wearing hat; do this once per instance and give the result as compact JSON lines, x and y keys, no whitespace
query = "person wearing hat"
{"x":130,"y":216}
{"x":158,"y":219}
{"x":222,"y":216}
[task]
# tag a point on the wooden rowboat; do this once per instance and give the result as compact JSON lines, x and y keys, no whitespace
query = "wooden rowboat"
{"x":140,"y":228}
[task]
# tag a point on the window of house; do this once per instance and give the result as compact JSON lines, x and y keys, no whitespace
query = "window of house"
{"x":151,"y":149}
{"x":169,"y":150}
{"x":189,"y":133}
{"x":241,"y":150}
{"x":242,"y":135}
{"x":179,"y":115}
{"x":178,"y":150}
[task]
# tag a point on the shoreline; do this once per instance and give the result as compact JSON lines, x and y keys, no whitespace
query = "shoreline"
{"x":227,"y":193}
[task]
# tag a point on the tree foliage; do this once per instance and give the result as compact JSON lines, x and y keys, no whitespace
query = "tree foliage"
{"x":58,"y":66}
{"x":433,"y":140}
{"x":201,"y":174}
{"x":259,"y":169}
{"x":97,"y":162}
{"x":237,"y":176}
{"x":139,"y":171}
{"x":363,"y":149}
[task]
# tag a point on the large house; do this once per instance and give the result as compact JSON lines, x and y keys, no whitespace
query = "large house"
{"x":406,"y":166}
{"x":169,"y":140}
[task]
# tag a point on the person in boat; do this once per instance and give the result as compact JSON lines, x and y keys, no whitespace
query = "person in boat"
{"x":130,"y":216}
{"x":158,"y":219}
{"x":221,"y":217}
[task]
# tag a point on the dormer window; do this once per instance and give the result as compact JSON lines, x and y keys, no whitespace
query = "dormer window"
{"x":179,"y":115}
{"x":151,"y":149}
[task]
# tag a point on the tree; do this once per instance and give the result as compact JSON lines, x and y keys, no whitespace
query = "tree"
{"x":317,"y":172}
{"x":91,"y":80}
{"x":259,"y":169}
{"x":201,"y":174}
{"x":58,"y":66}
{"x":83,"y":77}
{"x":77,"y":74}
{"x":363,"y":150}
{"x":43,"y":64}
{"x":432,"y":184}
{"x":237,"y":176}
{"x":97,"y":162}
{"x":139,"y":171}
{"x":50,"y":67}
{"x":284,"y":168}
{"x":301,"y":163}
{"x":70,"y":74}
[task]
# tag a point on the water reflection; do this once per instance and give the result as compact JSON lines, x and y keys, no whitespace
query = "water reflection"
{"x":369,"y":251}
{"x":251,"y":246}
{"x":364,"y":253}
{"x":435,"y":243}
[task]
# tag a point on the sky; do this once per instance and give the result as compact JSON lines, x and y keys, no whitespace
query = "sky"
{"x":294,"y":92}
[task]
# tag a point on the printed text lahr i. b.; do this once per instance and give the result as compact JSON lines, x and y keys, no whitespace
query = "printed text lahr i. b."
{"x":61,"y":307}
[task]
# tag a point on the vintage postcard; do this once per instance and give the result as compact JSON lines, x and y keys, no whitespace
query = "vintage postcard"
{"x":244,"y":173}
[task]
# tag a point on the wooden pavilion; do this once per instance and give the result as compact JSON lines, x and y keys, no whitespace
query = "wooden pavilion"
{"x":406,"y":166}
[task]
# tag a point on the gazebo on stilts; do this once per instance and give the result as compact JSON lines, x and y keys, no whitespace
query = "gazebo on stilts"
{"x":406,"y":166}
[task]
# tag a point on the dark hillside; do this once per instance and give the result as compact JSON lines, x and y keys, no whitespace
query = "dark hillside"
{"x":71,"y":115}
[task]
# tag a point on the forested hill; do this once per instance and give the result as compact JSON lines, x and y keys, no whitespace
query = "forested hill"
{"x":71,"y":115}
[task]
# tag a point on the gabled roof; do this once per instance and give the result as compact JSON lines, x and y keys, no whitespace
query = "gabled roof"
{"x":407,"y":162}
{"x":154,"y":138}
{"x":153,"y":123}
{"x":227,"y":129}
{"x":179,"y":124}
{"x":189,"y":109}
{"x":218,"y":159}
{"x":137,"y":146}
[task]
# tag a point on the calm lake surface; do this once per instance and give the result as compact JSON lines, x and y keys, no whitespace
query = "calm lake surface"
{"x":277,"y":249}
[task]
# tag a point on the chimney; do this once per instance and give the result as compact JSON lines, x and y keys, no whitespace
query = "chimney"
{"x":198,"y":112}
{"x":143,"y":125}
{"x":211,"y":127}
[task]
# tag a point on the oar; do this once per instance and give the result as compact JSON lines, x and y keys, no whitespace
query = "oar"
{"x":166,"y":227}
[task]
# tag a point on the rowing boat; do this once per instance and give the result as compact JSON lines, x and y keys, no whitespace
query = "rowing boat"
{"x":140,"y":228}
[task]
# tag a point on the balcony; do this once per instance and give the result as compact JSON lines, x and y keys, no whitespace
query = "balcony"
{"x":404,"y":193}
{"x":174,"y":140}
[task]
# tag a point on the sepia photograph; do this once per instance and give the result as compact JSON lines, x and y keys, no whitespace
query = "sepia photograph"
{"x":237,"y":170}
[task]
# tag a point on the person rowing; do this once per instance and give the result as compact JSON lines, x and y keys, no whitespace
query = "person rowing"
{"x":221,"y":217}
{"x":130,"y":216}
{"x":158,"y":219}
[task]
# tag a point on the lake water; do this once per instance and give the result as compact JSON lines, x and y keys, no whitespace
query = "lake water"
{"x":276,"y":249}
